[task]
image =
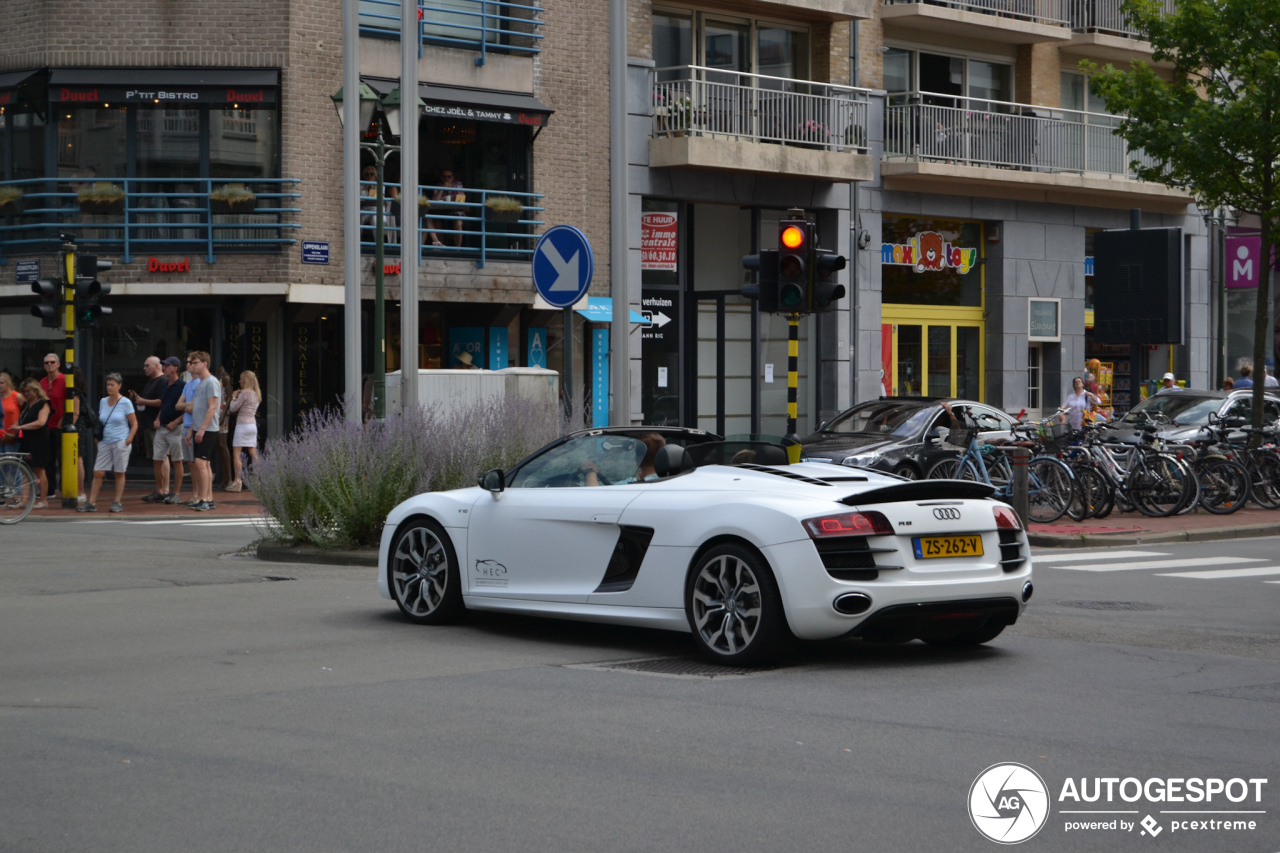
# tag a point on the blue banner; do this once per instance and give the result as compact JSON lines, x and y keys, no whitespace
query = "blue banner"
{"x":537,"y":353}
{"x":466,"y":346}
{"x":497,"y":347}
{"x":599,"y":377}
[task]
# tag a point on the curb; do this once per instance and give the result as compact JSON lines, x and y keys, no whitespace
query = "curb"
{"x":1088,"y":540}
{"x":364,"y":557}
{"x":101,"y":515}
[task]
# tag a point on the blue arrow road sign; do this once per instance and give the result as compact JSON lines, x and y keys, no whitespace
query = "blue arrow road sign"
{"x":562,"y":265}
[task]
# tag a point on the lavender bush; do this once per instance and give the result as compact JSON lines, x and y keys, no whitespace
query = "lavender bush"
{"x":331,"y":483}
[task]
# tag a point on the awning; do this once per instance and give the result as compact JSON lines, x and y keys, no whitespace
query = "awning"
{"x":600,"y":310}
{"x":475,"y":104}
{"x":11,"y":80}
{"x":169,"y":86}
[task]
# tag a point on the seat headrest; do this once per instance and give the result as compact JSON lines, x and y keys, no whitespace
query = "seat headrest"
{"x":671,"y":460}
{"x":771,"y":454}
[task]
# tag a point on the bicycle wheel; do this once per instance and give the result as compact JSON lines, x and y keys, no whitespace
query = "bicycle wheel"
{"x":1158,"y":486}
{"x":1264,"y":486}
{"x":958,"y":468}
{"x":1089,"y":494}
{"x":1224,"y":486}
{"x":999,"y":469}
{"x":1049,"y":489}
{"x":17,"y":490}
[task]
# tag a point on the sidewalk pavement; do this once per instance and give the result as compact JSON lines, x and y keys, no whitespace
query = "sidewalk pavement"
{"x":1134,"y":528}
{"x":227,"y":504}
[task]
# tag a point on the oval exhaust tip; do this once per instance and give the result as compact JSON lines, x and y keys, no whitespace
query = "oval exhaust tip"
{"x":852,"y":603}
{"x":1026,"y":592}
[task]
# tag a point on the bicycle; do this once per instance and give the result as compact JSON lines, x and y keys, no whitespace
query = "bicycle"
{"x":1143,"y":477}
{"x":17,"y":488}
{"x":1050,"y":483}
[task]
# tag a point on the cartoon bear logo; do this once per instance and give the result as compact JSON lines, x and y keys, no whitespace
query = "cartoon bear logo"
{"x":932,"y":254}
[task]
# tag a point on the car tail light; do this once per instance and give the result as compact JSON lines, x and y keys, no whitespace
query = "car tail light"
{"x":849,"y":524}
{"x":1006,"y":519}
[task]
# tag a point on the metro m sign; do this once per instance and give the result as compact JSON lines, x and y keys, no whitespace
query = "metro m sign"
{"x":1244,"y":261}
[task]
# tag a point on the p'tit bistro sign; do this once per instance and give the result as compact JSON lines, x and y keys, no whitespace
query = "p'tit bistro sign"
{"x":159,"y":95}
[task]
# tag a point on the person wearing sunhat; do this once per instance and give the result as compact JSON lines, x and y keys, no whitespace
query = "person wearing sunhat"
{"x":465,"y":361}
{"x":1167,"y":383}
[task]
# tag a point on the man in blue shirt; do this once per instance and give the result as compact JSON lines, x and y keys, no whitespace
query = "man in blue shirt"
{"x":168,"y":446}
{"x":185,"y":405}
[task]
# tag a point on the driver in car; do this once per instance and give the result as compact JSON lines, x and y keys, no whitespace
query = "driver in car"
{"x":645,"y":473}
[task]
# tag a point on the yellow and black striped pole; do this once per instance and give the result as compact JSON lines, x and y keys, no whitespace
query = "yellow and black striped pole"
{"x":793,"y":382}
{"x":70,"y":438}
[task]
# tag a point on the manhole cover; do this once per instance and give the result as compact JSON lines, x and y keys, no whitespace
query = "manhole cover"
{"x":1110,"y":605}
{"x":677,"y":668}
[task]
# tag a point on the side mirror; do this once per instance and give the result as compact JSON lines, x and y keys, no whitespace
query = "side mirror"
{"x":492,"y":481}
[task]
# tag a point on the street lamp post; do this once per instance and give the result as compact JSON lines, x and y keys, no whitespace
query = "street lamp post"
{"x":373,"y":110}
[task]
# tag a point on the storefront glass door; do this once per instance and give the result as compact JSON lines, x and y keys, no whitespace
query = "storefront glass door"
{"x":936,"y":358}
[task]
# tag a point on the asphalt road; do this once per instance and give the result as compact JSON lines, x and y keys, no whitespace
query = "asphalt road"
{"x":157,"y":695}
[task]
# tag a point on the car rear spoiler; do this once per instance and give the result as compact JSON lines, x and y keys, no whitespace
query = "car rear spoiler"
{"x":919,"y":490}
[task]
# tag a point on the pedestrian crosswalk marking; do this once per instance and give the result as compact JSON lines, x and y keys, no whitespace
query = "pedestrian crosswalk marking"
{"x":1160,"y":564}
{"x":1080,"y":556}
{"x":1256,"y":571}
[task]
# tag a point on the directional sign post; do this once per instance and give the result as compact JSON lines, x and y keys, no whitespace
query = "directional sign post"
{"x":562,"y":268}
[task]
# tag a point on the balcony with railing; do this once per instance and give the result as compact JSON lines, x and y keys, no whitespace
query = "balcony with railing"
{"x":1008,"y":21}
{"x":485,"y":225}
{"x":942,"y":143}
{"x":499,"y":26}
{"x":128,"y":216}
{"x":1101,"y":30}
{"x":712,"y":119}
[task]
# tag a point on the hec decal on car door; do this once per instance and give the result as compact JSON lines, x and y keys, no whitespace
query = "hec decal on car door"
{"x":488,"y":573}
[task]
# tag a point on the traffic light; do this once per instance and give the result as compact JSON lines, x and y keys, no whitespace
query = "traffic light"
{"x":765,"y":289}
{"x":795,"y":237}
{"x":89,"y":290}
{"x":50,"y":293}
{"x":825,"y":290}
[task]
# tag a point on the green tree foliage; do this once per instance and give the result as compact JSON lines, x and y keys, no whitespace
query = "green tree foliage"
{"x":1213,"y":127}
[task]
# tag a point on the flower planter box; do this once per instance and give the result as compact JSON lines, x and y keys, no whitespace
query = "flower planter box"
{"x":240,"y":205}
{"x":503,"y":215}
{"x":102,"y":207}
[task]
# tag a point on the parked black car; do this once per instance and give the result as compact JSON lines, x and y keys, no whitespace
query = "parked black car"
{"x":1182,"y":413}
{"x":901,"y":435}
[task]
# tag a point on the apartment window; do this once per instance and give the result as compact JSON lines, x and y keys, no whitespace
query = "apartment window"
{"x":1033,"y":378}
{"x":1079,"y":94}
{"x":732,"y":44}
{"x":908,"y":71}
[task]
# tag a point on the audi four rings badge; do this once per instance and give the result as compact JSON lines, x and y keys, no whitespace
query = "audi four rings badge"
{"x":947,"y":513}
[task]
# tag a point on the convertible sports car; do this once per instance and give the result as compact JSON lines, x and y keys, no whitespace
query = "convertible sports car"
{"x":678,"y":529}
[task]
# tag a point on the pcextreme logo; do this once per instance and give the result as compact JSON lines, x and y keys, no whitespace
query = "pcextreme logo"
{"x":1008,"y":803}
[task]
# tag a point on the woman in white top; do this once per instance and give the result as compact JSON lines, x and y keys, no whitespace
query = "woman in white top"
{"x":1077,"y":403}
{"x":244,"y":405}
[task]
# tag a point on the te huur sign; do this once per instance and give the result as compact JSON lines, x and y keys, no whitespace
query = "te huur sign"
{"x":1044,"y":321}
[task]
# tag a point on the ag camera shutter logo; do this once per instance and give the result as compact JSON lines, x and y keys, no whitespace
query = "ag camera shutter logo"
{"x":1008,"y":803}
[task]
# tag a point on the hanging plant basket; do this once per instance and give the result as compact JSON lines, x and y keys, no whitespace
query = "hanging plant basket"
{"x":503,"y":208}
{"x":240,"y":205}
{"x":102,"y":199}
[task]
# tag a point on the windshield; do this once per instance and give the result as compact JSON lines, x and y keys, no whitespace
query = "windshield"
{"x":883,"y":417}
{"x":1182,"y":409}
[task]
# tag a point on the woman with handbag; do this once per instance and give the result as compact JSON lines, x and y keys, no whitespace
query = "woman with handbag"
{"x":33,"y":435}
{"x":117,"y":426}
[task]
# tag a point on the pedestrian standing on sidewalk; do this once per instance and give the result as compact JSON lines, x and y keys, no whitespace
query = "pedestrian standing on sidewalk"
{"x":190,"y":384}
{"x":33,"y":435}
{"x":224,"y":455}
{"x":1077,"y":403}
{"x":205,"y":405}
{"x":244,"y":403}
{"x":1246,"y":377}
{"x":147,"y":405}
{"x":169,"y":445}
{"x":10,"y":408}
{"x":54,"y":384}
{"x":119,"y":427}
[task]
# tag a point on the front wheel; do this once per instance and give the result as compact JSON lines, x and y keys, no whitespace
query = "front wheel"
{"x":424,"y":574}
{"x":1050,"y":487}
{"x":1224,"y":487}
{"x":956,"y":468}
{"x":733,"y":606}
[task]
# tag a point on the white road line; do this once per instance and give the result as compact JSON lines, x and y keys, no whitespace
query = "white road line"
{"x":1257,"y":571}
{"x":1159,"y":564}
{"x":1079,"y":556}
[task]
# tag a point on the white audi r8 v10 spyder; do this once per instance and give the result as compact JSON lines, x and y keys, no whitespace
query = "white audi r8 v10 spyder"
{"x":678,"y":529}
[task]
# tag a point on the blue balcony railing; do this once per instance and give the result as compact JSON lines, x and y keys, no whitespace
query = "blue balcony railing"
{"x":154,"y":215}
{"x":483,"y":25}
{"x":486,"y":225}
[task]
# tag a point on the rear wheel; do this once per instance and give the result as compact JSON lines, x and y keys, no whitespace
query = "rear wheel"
{"x":1264,"y":488}
{"x":17,"y":490}
{"x":1159,"y":486}
{"x":1224,"y":487}
{"x":733,"y":606}
{"x":956,"y":468}
{"x":1049,"y":489}
{"x":1088,"y":495}
{"x":424,"y":573}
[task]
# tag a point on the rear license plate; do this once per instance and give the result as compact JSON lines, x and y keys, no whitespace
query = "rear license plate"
{"x":928,"y":547}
